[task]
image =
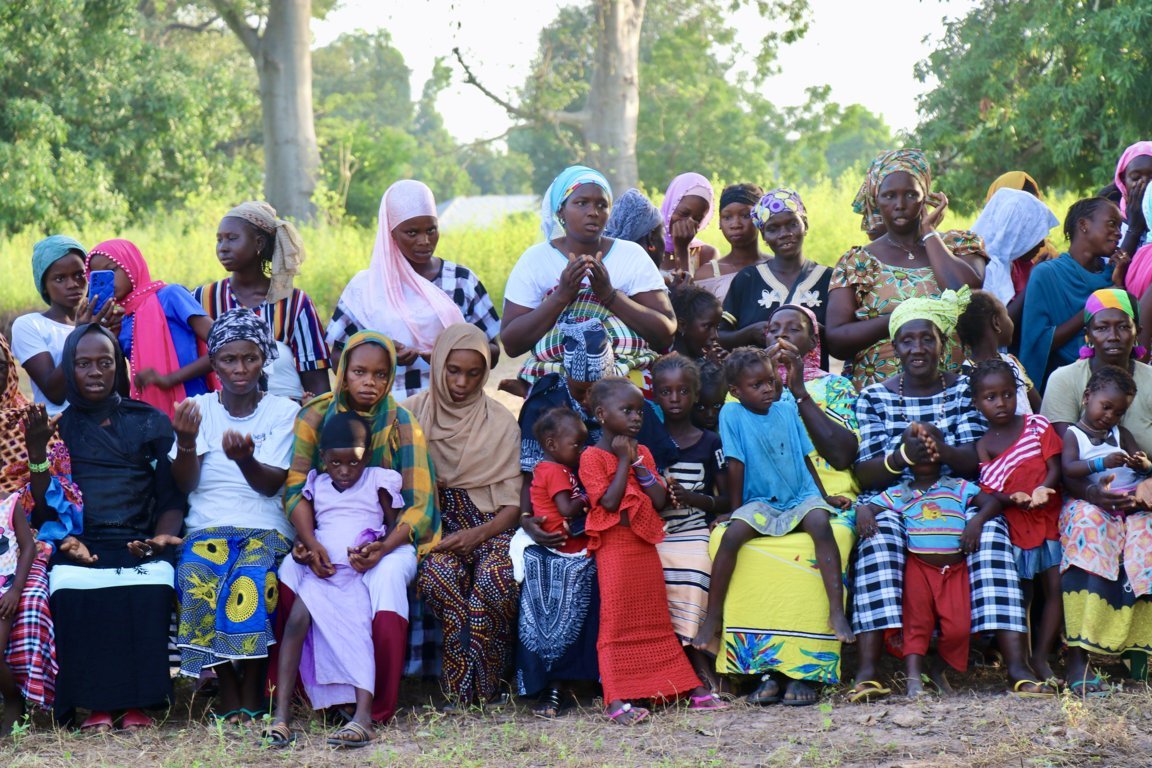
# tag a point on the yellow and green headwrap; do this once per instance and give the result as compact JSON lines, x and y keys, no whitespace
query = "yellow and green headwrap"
{"x":943,"y":312}
{"x":911,"y":161}
{"x":1112,"y":298}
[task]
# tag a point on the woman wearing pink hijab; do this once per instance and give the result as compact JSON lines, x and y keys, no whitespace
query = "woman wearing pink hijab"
{"x":687,"y":209}
{"x":408,"y":293}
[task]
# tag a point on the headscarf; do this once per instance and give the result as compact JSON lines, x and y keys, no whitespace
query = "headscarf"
{"x":63,"y":496}
{"x":242,"y":324}
{"x":633,"y":217}
{"x":287,"y":250}
{"x":562,"y":188}
{"x":1012,"y":223}
{"x":1138,"y":149}
{"x":152,"y":345}
{"x":912,"y":161}
{"x":98,"y":409}
{"x":397,"y":443}
{"x":475,"y":444}
{"x":1111,"y":298}
{"x":683,"y":185}
{"x":1012,"y":180}
{"x":588,"y":355}
{"x":812,"y":369}
{"x":390,"y":296}
{"x":745,"y":194}
{"x":943,"y":312}
{"x":49,"y":251}
{"x":778,"y":201}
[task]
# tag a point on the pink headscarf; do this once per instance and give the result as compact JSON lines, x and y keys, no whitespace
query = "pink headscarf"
{"x":1138,"y":149}
{"x":683,"y":185}
{"x":390,"y":297}
{"x":152,"y":345}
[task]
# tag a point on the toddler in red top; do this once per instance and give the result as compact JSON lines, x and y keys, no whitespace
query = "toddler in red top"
{"x":556,"y":493}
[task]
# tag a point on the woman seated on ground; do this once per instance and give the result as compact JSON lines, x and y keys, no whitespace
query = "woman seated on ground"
{"x":163,"y":332}
{"x":636,"y":220}
{"x":1111,"y":325}
{"x":37,"y":478}
{"x":786,"y":278}
{"x":686,"y":210}
{"x":909,"y":260}
{"x":364,"y":382}
{"x":410,"y":294}
{"x":583,"y":276}
{"x":1053,"y":319}
{"x":38,"y":337}
{"x":918,"y":415}
{"x":738,"y":228}
{"x":111,"y":586}
{"x":466,"y":579}
{"x":231,"y":457}
{"x":263,"y":254}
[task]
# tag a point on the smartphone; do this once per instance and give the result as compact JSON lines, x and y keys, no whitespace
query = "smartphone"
{"x":576,"y":525}
{"x":101,"y":288}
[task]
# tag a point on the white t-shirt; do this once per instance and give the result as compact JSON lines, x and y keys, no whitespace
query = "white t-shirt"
{"x":538,"y":270}
{"x":223,"y":497}
{"x":33,"y":334}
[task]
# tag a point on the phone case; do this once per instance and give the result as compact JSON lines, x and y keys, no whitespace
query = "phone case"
{"x":101,"y":288}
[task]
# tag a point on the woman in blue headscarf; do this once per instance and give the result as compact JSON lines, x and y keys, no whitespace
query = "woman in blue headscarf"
{"x":583,"y":275}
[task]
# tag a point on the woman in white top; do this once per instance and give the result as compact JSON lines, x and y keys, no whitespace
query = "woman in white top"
{"x":583,"y":275}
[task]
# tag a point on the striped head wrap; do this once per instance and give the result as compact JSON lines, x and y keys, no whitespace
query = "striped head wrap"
{"x":778,"y":201}
{"x":911,"y":161}
{"x":242,"y":324}
{"x":1112,"y":298}
{"x":943,"y":312}
{"x":287,"y":250}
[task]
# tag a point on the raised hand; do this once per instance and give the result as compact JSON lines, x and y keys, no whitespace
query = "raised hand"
{"x":38,"y":430}
{"x":186,"y":423}
{"x":932,"y":213}
{"x":237,"y":447}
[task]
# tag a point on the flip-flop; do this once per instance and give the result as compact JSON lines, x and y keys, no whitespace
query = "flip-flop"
{"x":1099,"y":693}
{"x":360,"y":737}
{"x":135,"y":720}
{"x":97,"y":722}
{"x":794,"y":702}
{"x":865,"y":690}
{"x":761,"y":700}
{"x":1046,"y":691}
{"x":278,"y":736}
{"x":709,"y":702}
{"x":640,"y":714}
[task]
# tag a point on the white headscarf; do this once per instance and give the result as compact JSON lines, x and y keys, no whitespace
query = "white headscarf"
{"x":1013,"y":223}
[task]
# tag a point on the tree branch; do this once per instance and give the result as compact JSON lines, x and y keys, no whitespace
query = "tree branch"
{"x":577,"y":119}
{"x":177,"y":26}
{"x":235,"y":21}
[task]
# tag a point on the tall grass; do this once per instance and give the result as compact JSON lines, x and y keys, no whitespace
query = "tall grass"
{"x":180,"y":246}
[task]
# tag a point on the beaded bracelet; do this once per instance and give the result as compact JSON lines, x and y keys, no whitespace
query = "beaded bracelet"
{"x":41,"y":467}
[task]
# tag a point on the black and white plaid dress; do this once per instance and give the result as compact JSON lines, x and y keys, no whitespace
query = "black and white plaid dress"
{"x":878,"y":587}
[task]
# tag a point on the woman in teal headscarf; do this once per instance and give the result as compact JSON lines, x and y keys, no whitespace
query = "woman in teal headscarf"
{"x":583,"y":275}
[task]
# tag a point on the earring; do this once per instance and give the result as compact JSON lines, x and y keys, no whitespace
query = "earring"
{"x":1087,"y":351}
{"x":563,"y":223}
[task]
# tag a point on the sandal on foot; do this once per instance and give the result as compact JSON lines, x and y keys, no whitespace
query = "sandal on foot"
{"x":253,"y":715}
{"x":278,"y":736}
{"x":1046,"y":691}
{"x":866,"y":690}
{"x":798,"y":702}
{"x":135,"y":720}
{"x":550,"y":705}
{"x":351,"y":736}
{"x":707,"y":702}
{"x":97,"y":722}
{"x":628,"y":715}
{"x":767,"y":693}
{"x":1098,"y":690}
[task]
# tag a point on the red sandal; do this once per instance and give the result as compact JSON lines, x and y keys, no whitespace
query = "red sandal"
{"x":135,"y":720}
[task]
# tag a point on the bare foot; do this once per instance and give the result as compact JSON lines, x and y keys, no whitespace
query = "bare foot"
{"x":1042,"y":668}
{"x":915,"y":688}
{"x":799,"y":694}
{"x":940,"y":680}
{"x":838,"y":622}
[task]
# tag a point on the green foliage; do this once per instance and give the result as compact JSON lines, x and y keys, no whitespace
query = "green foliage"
{"x":1057,"y":88}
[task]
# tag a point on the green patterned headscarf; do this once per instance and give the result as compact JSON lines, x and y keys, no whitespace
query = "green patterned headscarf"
{"x":912,"y":161}
{"x":943,"y":312}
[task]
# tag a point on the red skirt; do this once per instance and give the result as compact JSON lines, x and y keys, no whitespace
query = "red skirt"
{"x":640,"y":656}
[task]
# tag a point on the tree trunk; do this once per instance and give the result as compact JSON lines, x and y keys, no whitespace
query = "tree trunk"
{"x":284,"y":65}
{"x":614,"y":97}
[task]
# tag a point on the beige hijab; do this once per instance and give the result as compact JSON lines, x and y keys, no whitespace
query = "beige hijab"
{"x":475,"y":444}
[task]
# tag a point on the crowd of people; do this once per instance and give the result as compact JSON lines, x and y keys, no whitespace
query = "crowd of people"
{"x":690,"y":504}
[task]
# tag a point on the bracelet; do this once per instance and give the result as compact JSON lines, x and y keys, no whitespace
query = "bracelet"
{"x":611,"y":298}
{"x":933,"y":233}
{"x":41,"y":467}
{"x":889,"y":467}
{"x":1096,"y":465}
{"x":184,"y":449}
{"x":647,"y":483}
{"x":904,"y":455}
{"x":801,"y":400}
{"x":639,"y":464}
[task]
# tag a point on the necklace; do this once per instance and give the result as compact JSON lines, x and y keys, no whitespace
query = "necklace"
{"x":900,"y":391}
{"x":1093,"y":434}
{"x":909,"y":251}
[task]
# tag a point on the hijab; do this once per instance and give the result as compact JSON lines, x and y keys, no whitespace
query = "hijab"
{"x":475,"y":444}
{"x":49,"y":251}
{"x":910,"y":161}
{"x":152,"y":345}
{"x":562,"y":188}
{"x":1012,"y":223}
{"x":390,"y":296}
{"x":683,"y":185}
{"x":633,"y":217}
{"x":1138,"y":149}
{"x":287,"y":248}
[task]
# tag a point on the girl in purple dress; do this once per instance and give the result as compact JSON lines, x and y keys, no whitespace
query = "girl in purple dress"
{"x":328,"y":636}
